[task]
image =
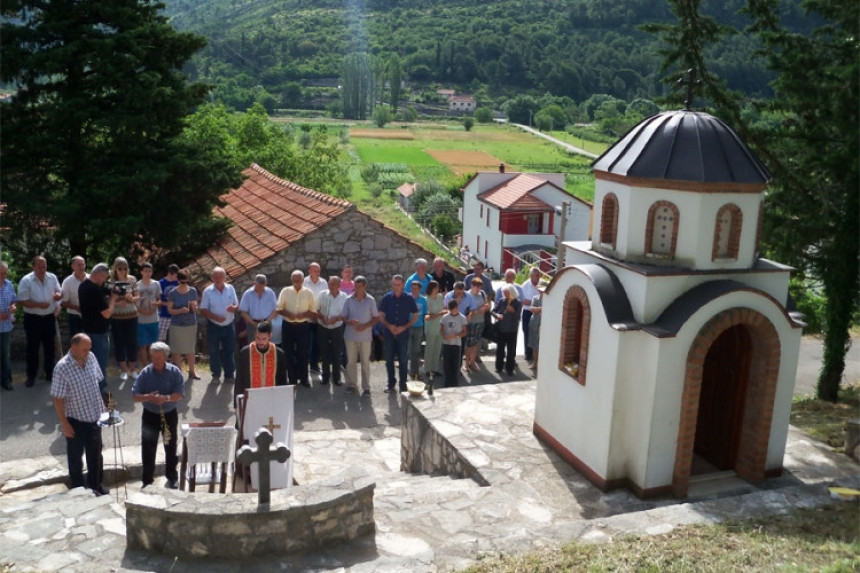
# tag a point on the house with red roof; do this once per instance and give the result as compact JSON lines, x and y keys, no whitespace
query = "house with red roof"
{"x":279,"y":226}
{"x":506,"y":214}
{"x":404,"y":196}
{"x":462,"y":103}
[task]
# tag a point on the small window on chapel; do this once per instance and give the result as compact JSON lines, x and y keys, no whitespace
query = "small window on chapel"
{"x":661,"y":235}
{"x":609,"y":220}
{"x":575,"y":327}
{"x":727,"y":232}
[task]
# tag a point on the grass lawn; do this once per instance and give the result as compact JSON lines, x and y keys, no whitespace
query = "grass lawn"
{"x":806,"y":540}
{"x":825,"y":421}
{"x":592,"y":146}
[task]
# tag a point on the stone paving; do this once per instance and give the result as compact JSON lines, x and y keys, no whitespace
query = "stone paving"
{"x":423,"y":523}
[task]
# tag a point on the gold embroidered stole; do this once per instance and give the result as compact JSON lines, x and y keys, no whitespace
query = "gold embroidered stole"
{"x":264,"y":366}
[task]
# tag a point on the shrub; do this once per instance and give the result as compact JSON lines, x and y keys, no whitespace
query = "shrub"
{"x":381,"y":115}
{"x":468,"y":122}
{"x":484,"y":115}
{"x":444,"y":227}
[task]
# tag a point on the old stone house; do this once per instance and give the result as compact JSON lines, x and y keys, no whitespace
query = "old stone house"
{"x":279,"y":226}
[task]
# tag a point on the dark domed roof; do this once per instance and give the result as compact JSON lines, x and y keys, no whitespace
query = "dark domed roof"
{"x":683,"y":146}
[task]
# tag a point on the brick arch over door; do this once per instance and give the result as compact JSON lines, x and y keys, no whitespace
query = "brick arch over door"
{"x":758,"y":408}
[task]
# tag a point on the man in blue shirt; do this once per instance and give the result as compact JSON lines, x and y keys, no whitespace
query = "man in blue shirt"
{"x":159,"y":387}
{"x":397,"y":313}
{"x":219,"y":306}
{"x":258,"y":303}
{"x":7,"y":318}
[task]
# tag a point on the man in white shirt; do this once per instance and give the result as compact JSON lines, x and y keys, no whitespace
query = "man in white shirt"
{"x":529,"y":291}
{"x":70,"y":294}
{"x":219,"y":306}
{"x":330,"y":330}
{"x":317,"y":285}
{"x":39,"y":292}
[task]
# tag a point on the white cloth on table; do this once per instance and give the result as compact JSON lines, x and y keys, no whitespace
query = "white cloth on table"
{"x":273,"y":404}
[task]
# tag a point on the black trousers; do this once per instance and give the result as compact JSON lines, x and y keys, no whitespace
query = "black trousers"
{"x":40,"y":330}
{"x":87,"y":441}
{"x":331,"y":348}
{"x":295,"y":340}
{"x":150,"y":430}
{"x":527,"y":318}
{"x":451,"y":363}
{"x":506,"y":351}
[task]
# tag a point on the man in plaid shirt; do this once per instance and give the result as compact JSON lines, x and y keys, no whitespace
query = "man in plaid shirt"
{"x":79,"y":404}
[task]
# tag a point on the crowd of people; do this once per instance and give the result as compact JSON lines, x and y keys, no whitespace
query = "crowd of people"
{"x":327,"y":326}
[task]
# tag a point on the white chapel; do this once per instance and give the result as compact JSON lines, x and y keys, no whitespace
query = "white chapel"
{"x":677,"y":349}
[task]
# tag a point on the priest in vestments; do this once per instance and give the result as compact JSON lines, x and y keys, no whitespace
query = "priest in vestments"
{"x":261,"y":363}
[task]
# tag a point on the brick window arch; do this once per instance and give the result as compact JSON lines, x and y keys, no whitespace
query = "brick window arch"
{"x":575,"y":328}
{"x":727,"y":232}
{"x":661,"y":229}
{"x":609,"y":220}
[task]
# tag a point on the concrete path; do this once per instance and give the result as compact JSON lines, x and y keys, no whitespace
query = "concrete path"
{"x":563,"y":144}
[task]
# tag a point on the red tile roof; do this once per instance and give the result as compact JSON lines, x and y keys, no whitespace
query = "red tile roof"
{"x":268,"y":214}
{"x":515,"y":194}
{"x":407,"y":189}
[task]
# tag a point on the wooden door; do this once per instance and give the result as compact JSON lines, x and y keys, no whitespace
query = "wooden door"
{"x":721,"y":403}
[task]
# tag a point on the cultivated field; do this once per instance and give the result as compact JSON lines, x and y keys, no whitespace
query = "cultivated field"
{"x":448,"y":154}
{"x":465,"y":162}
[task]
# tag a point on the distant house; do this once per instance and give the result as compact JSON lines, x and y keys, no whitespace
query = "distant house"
{"x":279,"y":226}
{"x":504,"y":213}
{"x":447,"y":94}
{"x":462,"y":104}
{"x":404,"y":196}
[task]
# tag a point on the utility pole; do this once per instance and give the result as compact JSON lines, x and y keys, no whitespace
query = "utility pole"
{"x":565,"y":207}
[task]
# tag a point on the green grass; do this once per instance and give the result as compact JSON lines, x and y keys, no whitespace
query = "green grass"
{"x":391,"y":151}
{"x":590,"y":146}
{"x":805,"y":540}
{"x":825,"y":421}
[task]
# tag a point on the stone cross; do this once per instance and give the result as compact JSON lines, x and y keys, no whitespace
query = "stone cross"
{"x":690,"y":81}
{"x":262,"y":454}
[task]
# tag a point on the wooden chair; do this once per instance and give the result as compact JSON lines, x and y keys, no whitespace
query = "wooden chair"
{"x":208,"y":453}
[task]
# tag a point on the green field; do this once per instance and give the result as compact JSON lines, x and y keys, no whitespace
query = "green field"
{"x":518,"y":150}
{"x":391,"y":151}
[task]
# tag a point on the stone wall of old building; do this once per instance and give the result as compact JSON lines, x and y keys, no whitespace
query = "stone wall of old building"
{"x":373,"y":250}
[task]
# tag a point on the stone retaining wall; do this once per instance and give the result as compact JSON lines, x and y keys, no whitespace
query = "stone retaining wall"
{"x":425,"y":450}
{"x":178,"y":523}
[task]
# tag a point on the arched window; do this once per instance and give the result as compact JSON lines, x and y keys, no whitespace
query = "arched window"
{"x":575,"y":327}
{"x":727,"y":232}
{"x":661,"y":230}
{"x":609,"y":220}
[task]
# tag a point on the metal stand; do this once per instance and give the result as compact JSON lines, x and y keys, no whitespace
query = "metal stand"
{"x":114,"y":421}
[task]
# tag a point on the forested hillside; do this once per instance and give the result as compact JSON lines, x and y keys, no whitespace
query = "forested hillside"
{"x":572,"y":48}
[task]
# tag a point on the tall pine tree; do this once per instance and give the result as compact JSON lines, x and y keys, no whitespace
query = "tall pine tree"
{"x":811,"y":144}
{"x":91,"y":138}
